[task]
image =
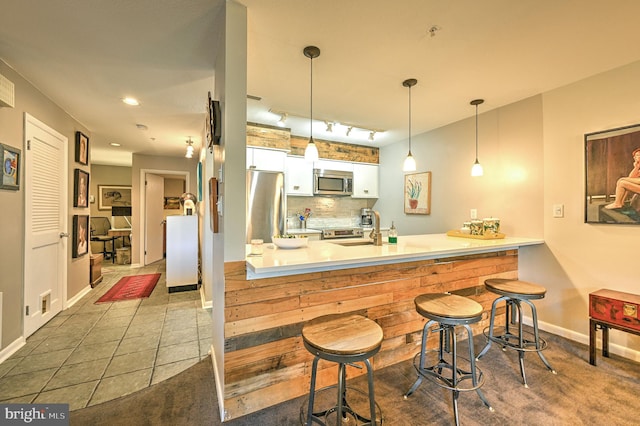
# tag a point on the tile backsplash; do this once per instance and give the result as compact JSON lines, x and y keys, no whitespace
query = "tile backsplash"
{"x":326,"y":211}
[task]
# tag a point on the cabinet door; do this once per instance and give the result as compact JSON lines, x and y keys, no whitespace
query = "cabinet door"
{"x":266,"y":159}
{"x":365,"y":181}
{"x":298,"y":177}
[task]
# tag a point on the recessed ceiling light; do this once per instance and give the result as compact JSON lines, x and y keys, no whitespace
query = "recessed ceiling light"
{"x":130,"y":101}
{"x":114,"y":144}
{"x":141,"y":127}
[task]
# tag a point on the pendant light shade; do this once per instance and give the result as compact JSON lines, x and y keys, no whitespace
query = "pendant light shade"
{"x":311,"y":151}
{"x":409,"y":162}
{"x":476,"y":169}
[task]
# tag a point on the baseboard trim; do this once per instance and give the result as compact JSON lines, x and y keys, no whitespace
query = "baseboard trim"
{"x":77,"y":297}
{"x":12,"y":348}
{"x":584,"y":339}
{"x":219,"y":381}
{"x":206,"y":304}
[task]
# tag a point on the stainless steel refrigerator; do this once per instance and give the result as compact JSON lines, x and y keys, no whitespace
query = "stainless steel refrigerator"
{"x":266,"y":205}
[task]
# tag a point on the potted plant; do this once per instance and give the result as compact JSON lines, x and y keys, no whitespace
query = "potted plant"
{"x":413,"y":191}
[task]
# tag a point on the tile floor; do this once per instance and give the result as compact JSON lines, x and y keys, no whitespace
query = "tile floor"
{"x":91,"y":353}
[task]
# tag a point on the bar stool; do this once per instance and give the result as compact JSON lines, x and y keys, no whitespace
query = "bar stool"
{"x":344,"y":339}
{"x":514,"y":293}
{"x":449,"y":311}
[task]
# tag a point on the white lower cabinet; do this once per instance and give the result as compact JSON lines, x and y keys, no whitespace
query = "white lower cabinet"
{"x":182,"y":250}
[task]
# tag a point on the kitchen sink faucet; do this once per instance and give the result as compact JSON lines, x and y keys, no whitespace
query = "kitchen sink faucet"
{"x":375,"y":234}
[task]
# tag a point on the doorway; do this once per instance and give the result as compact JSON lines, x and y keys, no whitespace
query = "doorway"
{"x":46,"y":229}
{"x":152,"y":201}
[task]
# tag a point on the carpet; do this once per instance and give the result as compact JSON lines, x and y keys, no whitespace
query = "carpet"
{"x":131,"y":287}
{"x":579,"y":395}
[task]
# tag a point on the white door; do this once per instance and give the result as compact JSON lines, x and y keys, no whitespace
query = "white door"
{"x":46,"y":233}
{"x":153,"y":218}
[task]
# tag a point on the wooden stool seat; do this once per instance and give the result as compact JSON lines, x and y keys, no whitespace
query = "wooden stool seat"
{"x":515,"y":288}
{"x":448,"y":307}
{"x":342,"y":334}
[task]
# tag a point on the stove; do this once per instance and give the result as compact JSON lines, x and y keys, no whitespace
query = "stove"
{"x":346,"y":232}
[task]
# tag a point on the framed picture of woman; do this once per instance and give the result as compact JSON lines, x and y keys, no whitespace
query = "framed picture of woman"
{"x":80,"y":188}
{"x":80,"y":235}
{"x":82,"y":148}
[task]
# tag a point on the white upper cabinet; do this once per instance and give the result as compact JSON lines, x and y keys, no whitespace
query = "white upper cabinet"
{"x":266,"y":159}
{"x":365,"y":180}
{"x":298,"y":177}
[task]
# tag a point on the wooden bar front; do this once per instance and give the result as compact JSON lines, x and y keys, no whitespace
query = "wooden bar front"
{"x":265,"y":360}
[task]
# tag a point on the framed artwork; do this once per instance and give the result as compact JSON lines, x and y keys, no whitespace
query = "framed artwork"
{"x":80,"y":188}
{"x":80,"y":235}
{"x":113,"y":195}
{"x":417,"y":193}
{"x":612,"y":176}
{"x":10,"y":158}
{"x":171,"y":203}
{"x":82,"y":148}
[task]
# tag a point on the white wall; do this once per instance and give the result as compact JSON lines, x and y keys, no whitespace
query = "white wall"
{"x":533,"y":156}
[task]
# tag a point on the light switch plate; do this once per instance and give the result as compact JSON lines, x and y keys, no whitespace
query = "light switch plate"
{"x":558,"y":210}
{"x":473,"y":213}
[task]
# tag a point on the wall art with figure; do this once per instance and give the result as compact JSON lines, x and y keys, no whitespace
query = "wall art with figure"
{"x":612,"y":183}
{"x":417,"y":193}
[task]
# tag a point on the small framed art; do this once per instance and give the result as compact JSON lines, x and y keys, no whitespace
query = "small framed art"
{"x":82,"y":148}
{"x":10,"y":158}
{"x":417,"y":193}
{"x":80,"y":188}
{"x":80,"y":232}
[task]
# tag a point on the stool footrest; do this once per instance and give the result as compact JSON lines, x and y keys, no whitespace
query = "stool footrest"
{"x":464,"y":378}
{"x":512,"y":341}
{"x":326,"y":397}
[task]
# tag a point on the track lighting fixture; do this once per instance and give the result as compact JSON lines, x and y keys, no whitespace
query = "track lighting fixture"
{"x":283,"y":119}
{"x":189,"y":153}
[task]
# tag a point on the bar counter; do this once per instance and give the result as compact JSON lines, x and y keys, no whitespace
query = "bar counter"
{"x":269,"y":298}
{"x":329,"y":254}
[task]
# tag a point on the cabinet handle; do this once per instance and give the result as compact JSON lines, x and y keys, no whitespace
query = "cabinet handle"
{"x":296,"y":187}
{"x":366,"y":191}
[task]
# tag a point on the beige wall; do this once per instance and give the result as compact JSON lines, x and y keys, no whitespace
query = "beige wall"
{"x":108,"y":175}
{"x":533,"y":156}
{"x":29,"y":99}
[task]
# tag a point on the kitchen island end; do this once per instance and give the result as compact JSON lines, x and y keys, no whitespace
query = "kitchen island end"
{"x":269,"y":298}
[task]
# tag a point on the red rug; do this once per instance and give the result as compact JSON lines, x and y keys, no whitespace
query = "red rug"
{"x":131,"y":287}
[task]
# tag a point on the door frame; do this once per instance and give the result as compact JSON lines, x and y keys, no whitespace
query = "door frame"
{"x":143,"y":202}
{"x":30,"y":120}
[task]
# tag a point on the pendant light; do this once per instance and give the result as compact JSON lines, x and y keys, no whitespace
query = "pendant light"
{"x":476,"y":170}
{"x":311,"y":151}
{"x":409,"y":162}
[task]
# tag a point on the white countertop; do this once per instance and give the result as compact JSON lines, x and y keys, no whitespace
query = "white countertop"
{"x":299,"y":231}
{"x":324,"y":255}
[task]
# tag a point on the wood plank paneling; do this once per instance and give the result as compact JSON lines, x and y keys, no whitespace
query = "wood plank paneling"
{"x":265,"y":359}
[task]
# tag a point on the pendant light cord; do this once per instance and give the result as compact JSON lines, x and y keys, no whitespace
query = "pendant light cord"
{"x":409,"y":120}
{"x":311,"y":103}
{"x":476,"y":132}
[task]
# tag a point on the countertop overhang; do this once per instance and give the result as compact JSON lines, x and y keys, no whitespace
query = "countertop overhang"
{"x":325,"y":255}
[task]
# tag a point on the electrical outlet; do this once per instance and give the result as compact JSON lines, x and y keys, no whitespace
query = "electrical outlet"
{"x":474,"y":213}
{"x":558,"y":210}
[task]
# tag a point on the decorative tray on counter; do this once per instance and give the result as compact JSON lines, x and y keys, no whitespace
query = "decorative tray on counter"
{"x":455,"y":233}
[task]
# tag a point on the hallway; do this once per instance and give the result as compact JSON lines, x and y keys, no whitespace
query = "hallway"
{"x":89,"y":353}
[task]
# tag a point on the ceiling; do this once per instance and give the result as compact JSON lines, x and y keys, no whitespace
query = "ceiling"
{"x":87,"y":54}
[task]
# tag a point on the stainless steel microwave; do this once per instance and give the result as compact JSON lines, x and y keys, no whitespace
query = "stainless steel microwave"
{"x":332,"y":182}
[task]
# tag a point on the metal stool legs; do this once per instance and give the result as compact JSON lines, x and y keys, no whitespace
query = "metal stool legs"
{"x":516,"y":341}
{"x":342,"y":408}
{"x":448,"y":343}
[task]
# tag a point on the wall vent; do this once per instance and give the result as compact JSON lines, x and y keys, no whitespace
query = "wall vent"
{"x":7,"y":92}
